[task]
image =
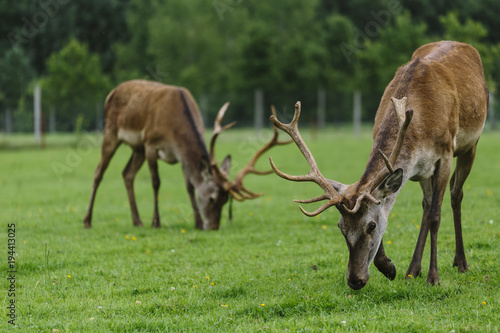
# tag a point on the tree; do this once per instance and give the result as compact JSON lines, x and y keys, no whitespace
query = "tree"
{"x":378,"y":61}
{"x":132,"y":57}
{"x":16,"y":76}
{"x":474,"y":33}
{"x":75,"y":83}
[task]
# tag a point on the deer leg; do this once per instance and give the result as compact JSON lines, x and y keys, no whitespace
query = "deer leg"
{"x":383,"y":263}
{"x":133,"y":165}
{"x":153,"y":169}
{"x":442,"y":174}
{"x":109,"y":145}
{"x":415,"y":268}
{"x":462,"y":170}
{"x":197,"y":216}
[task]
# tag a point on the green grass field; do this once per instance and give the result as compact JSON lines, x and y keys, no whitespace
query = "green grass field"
{"x":270,"y":269}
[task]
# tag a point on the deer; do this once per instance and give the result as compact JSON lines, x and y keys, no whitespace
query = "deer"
{"x":163,"y":122}
{"x":433,"y":110}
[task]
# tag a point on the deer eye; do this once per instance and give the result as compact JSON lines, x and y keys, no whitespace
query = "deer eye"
{"x":371,"y":226}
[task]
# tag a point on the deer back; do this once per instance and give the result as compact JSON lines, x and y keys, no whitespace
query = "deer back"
{"x":445,"y":87}
{"x":164,"y":117}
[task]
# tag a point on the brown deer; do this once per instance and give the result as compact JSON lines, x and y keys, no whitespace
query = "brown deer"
{"x":163,"y":122}
{"x":432,"y":111}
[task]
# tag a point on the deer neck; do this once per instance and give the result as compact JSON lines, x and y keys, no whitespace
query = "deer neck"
{"x":385,"y":139}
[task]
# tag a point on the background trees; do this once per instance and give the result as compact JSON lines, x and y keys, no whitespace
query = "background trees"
{"x":226,"y":50}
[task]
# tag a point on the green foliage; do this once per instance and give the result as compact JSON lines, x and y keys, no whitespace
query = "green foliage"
{"x":338,"y":32}
{"x":225,"y":49}
{"x":75,"y":80}
{"x":474,"y":33}
{"x":16,"y":75}
{"x":186,"y":45}
{"x":394,"y":46}
{"x":272,"y":268}
{"x":471,"y":32}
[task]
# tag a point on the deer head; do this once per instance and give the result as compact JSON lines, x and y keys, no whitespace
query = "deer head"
{"x":363,"y":208}
{"x":217,"y":188}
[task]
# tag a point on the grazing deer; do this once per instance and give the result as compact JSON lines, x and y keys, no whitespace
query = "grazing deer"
{"x":432,"y":111}
{"x":163,"y":122}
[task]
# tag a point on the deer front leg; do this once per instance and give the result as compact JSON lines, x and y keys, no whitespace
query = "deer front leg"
{"x":109,"y":145}
{"x":198,"y":222}
{"x":383,"y":263}
{"x":133,"y":165}
{"x":442,"y":174}
{"x":462,"y":170}
{"x":415,"y":268}
{"x":153,"y":169}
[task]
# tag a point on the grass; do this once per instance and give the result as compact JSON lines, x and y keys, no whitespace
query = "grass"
{"x":270,"y":269}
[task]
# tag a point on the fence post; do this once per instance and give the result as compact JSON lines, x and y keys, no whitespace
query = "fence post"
{"x":8,"y":121}
{"x":204,"y":108}
{"x":37,"y":101}
{"x":357,"y":113}
{"x":258,"y":110}
{"x":52,"y":119}
{"x":321,"y":108}
{"x":491,"y":112}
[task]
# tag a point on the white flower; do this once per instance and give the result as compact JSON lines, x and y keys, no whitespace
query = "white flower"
{"x":172,"y":288}
{"x":491,"y":221}
{"x":343,"y":322}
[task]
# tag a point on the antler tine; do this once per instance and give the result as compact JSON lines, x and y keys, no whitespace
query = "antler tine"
{"x":389,"y":162}
{"x":217,"y":130}
{"x":314,"y":174}
{"x":237,"y":183}
{"x":360,"y":200}
{"x":401,"y":137}
{"x":242,"y":193}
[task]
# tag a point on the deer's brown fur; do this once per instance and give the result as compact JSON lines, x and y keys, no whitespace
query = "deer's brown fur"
{"x":443,"y":92}
{"x":163,"y":122}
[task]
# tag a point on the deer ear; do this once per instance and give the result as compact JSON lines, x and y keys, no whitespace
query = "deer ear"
{"x":205,"y":168}
{"x":226,"y":164}
{"x":392,"y":183}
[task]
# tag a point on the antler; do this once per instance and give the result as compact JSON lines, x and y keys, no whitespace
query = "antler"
{"x":238,"y":191}
{"x":314,"y":174}
{"x":400,"y":106}
{"x":217,"y":130}
{"x":236,"y":188}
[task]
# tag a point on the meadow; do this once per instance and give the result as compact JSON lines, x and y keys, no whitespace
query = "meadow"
{"x":271,"y":269}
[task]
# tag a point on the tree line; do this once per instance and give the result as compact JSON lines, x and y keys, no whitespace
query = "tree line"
{"x":318,"y":51}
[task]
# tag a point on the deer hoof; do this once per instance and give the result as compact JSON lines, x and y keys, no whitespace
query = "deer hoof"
{"x":389,"y":270}
{"x":87,"y":222}
{"x":156,"y":223}
{"x":391,"y":275}
{"x":461,"y":264}
{"x":433,"y":280}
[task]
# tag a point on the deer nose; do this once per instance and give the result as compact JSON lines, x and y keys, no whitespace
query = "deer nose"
{"x":356,"y":284}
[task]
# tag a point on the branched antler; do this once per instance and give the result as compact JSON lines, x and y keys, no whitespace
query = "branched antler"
{"x":235,"y":187}
{"x":314,"y":174}
{"x":400,"y":106}
{"x":217,"y":130}
{"x":237,"y":184}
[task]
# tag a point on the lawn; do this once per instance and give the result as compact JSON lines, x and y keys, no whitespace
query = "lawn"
{"x":270,"y":269}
